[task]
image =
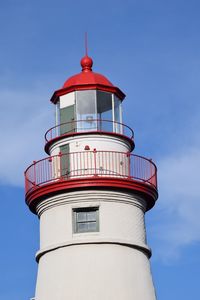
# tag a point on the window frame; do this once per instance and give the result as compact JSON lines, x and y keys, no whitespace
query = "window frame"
{"x":87,"y":209}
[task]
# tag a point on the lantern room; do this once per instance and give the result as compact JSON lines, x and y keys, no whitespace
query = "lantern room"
{"x":88,"y":102}
{"x":89,"y":110}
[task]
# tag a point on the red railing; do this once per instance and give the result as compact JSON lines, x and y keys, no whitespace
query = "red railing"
{"x":88,"y":164}
{"x":90,"y":125}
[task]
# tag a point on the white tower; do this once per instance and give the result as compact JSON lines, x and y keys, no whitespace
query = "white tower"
{"x":91,"y":195}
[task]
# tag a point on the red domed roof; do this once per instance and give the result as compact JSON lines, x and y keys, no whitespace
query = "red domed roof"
{"x":87,"y":80}
{"x":87,"y":76}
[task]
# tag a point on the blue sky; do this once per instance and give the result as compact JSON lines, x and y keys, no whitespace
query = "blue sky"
{"x":151,"y":50}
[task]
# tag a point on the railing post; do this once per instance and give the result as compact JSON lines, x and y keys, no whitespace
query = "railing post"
{"x":129,"y":164}
{"x":34,"y":173}
{"x":155,"y":175}
{"x":95,"y":162}
{"x":151,"y":172}
{"x":50,"y":170}
{"x":60,"y":163}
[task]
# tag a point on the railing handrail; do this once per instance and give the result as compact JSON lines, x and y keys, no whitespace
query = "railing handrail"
{"x":145,"y":158}
{"x":92,"y":151}
{"x":93,"y":120}
{"x":131,"y":169}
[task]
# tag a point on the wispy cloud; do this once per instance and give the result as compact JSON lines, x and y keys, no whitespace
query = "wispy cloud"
{"x":24,"y":117}
{"x":179,"y":201}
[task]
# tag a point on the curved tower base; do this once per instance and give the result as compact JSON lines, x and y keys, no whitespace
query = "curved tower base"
{"x":111,"y":263}
{"x":95,"y":272}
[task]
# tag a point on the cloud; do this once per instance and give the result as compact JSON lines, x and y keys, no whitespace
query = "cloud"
{"x":24,"y":116}
{"x":179,"y":201}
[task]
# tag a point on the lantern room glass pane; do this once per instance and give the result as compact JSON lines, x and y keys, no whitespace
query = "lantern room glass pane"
{"x":104,"y":111}
{"x":117,"y":115}
{"x":57,"y":113}
{"x":86,"y":110}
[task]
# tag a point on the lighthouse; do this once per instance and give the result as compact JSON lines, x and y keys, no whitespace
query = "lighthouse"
{"x":90,"y":194}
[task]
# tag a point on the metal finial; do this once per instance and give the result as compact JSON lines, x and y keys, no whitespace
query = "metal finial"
{"x":86,"y":44}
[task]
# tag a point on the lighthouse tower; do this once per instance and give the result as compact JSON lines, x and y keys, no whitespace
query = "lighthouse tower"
{"x":90,"y":194}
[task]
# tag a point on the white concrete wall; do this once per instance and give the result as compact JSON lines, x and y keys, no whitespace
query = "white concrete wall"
{"x":109,"y":264}
{"x":94,"y":141}
{"x":121,"y":218}
{"x":94,"y":272}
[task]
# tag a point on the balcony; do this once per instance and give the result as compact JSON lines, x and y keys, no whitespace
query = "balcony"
{"x":91,"y":168}
{"x":89,"y":126}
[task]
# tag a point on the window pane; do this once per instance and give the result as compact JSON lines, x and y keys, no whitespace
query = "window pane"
{"x":57,"y":106}
{"x":104,"y":110}
{"x":92,"y":226}
{"x":81,"y":216}
{"x":86,"y":110}
{"x":117,"y":103}
{"x":104,"y":105}
{"x":82,"y":227}
{"x":91,"y":216}
{"x":116,"y":109}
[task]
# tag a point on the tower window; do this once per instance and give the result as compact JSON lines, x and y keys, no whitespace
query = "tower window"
{"x":86,"y":219}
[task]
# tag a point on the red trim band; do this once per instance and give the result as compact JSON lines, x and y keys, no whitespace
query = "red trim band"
{"x":101,"y":87}
{"x":36,"y":195}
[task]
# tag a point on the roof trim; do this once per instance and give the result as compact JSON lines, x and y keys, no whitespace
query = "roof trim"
{"x":111,"y":89}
